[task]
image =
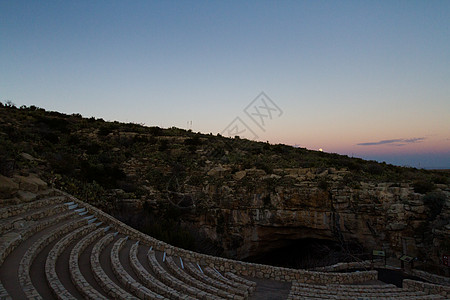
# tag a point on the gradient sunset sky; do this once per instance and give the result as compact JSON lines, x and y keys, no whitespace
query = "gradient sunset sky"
{"x":368,"y":79}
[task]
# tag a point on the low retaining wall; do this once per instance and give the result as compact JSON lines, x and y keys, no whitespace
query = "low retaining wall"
{"x":379,"y":263}
{"x":428,"y":288}
{"x":431,"y":277}
{"x":366,"y":264}
{"x":229,"y":265}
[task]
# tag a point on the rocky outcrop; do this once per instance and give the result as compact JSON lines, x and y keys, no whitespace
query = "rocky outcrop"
{"x":382,"y":216}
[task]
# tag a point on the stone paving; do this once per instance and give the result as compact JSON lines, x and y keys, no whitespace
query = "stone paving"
{"x":57,"y":247}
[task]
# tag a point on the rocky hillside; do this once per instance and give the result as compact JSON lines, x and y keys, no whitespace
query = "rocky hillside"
{"x":230,"y":197}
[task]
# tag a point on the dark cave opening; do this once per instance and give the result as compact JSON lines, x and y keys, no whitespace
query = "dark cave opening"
{"x":310,"y":253}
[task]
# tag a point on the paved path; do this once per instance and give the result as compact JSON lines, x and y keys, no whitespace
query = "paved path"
{"x":270,"y":289}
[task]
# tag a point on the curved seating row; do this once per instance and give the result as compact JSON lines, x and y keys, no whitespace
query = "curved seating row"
{"x":102,"y":264}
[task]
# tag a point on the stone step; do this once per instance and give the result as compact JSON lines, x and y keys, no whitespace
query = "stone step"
{"x":24,"y":219}
{"x":132,"y":285}
{"x":163,"y":275}
{"x":105,"y":281}
{"x":191,"y":281}
{"x":53,"y":278}
{"x":197,"y":272}
{"x":21,"y":208}
{"x":213,"y":273}
{"x":326,"y":290}
{"x":55,"y":249}
{"x":149,"y":279}
{"x":27,"y":260}
{"x":241,"y":280}
{"x":80,"y":270}
{"x":10,"y":240}
{"x":14,"y":247}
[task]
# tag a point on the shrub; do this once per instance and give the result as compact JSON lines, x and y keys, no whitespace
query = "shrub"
{"x":323,"y":184}
{"x":435,"y":202}
{"x":423,"y":186}
{"x":374,"y":169}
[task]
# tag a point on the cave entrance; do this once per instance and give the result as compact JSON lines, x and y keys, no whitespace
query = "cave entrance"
{"x":310,"y":253}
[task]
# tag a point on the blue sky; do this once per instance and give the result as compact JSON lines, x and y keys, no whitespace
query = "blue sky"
{"x":345,"y":75}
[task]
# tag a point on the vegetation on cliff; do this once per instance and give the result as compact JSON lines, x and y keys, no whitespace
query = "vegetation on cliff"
{"x":174,"y":175}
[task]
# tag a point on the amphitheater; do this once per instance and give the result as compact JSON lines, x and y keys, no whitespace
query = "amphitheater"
{"x":54,"y":246}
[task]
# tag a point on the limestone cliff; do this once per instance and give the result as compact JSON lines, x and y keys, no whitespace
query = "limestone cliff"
{"x":383,"y":216}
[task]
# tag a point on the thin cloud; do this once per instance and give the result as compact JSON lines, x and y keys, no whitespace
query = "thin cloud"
{"x":394,"y":142}
{"x":414,"y":140}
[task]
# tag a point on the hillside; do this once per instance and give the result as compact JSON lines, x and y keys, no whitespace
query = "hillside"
{"x":230,"y":196}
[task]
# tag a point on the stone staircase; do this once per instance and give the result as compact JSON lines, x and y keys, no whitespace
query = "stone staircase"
{"x":57,"y":247}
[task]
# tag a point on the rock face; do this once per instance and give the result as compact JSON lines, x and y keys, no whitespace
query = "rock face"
{"x":381,"y":216}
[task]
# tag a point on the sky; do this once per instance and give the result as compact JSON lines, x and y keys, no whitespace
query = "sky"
{"x":368,"y":79}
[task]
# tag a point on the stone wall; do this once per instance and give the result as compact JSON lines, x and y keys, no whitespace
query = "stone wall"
{"x":228,"y":265}
{"x":428,"y":288}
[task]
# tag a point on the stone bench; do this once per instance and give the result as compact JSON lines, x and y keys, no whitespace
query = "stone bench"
{"x":50,"y":264}
{"x":75,"y":273}
{"x":172,"y":281}
{"x":25,"y":264}
{"x":429,"y":288}
{"x":191,"y":281}
{"x":345,"y":295}
{"x":151,"y":281}
{"x":356,"y":288}
{"x":12,"y":239}
{"x":197,"y":273}
{"x":311,"y":296}
{"x":102,"y":278}
{"x":132,"y":285}
{"x":345,"y":291}
{"x":241,"y":280}
{"x":16,"y":209}
{"x":4,"y":293}
{"x":18,"y":220}
{"x":219,"y":277}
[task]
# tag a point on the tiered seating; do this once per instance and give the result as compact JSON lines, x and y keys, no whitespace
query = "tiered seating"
{"x":191,"y":281}
{"x":170,"y":280}
{"x":50,"y":265}
{"x":134,"y":286}
{"x":74,"y":257}
{"x":83,"y":286}
{"x":151,"y":281}
{"x":102,"y":278}
{"x":334,"y":291}
{"x":197,"y":272}
{"x":15,"y":237}
{"x":213,"y":273}
{"x":27,"y":260}
{"x":17,"y":215}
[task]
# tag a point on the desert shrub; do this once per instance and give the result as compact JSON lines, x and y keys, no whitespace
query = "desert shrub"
{"x":264,"y":166}
{"x":423,"y":186}
{"x":435,"y":202}
{"x":163,"y":145}
{"x":374,"y":169}
{"x":195,"y":141}
{"x":323,"y":184}
{"x":155,"y":131}
{"x":92,"y":148}
{"x":440,"y":179}
{"x":104,"y":131}
{"x":157,"y":179}
{"x":62,"y":163}
{"x":195,"y":180}
{"x":57,"y":124}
